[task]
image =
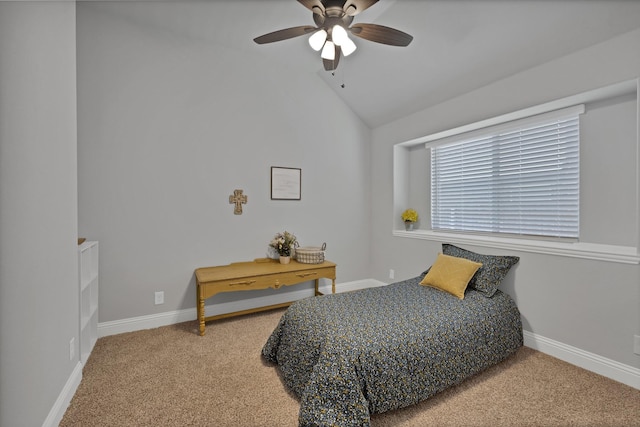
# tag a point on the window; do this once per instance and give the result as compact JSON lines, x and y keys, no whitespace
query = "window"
{"x":517,"y":178}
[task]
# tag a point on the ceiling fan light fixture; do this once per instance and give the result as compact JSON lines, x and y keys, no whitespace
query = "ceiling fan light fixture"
{"x":348,"y":47}
{"x":330,"y":35}
{"x":329,"y":51}
{"x":339,"y":35}
{"x":317,"y":39}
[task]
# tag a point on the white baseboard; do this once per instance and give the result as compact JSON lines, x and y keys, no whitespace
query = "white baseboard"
{"x":589,"y":361}
{"x":62,"y":402}
{"x":592,"y":362}
{"x":172,"y":317}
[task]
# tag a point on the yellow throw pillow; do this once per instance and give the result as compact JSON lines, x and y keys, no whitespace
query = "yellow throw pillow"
{"x":451,"y":274}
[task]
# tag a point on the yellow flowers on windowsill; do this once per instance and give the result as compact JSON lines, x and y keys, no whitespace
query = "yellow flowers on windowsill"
{"x":410,"y":215}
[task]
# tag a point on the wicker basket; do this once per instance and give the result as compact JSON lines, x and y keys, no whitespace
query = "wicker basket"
{"x":311,"y":254}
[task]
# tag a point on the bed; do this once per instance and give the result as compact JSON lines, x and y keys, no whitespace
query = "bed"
{"x":349,"y":355}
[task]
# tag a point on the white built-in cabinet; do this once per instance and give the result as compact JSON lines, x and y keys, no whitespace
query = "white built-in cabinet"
{"x":88,"y":265}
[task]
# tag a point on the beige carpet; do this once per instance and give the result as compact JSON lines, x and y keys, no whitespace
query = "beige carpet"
{"x":171,"y":376}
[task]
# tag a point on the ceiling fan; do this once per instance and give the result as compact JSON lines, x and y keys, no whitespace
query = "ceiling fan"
{"x":333,"y":19}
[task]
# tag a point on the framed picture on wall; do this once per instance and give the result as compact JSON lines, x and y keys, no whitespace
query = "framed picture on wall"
{"x":285,"y":183}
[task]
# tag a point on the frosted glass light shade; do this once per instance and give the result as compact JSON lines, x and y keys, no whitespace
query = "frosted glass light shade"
{"x":317,"y":39}
{"x":329,"y":51}
{"x":339,"y":35}
{"x":348,"y":47}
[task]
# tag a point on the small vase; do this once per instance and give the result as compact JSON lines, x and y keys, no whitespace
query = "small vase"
{"x":408,"y":225}
{"x":285,"y":259}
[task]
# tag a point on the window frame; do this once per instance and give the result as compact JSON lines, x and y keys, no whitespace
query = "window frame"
{"x":498,"y":132}
{"x":585,"y":250}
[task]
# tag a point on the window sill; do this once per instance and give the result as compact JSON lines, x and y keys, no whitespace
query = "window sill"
{"x":595,"y":251}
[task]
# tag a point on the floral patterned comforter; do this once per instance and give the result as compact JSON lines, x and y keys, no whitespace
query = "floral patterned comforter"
{"x":352,"y":354}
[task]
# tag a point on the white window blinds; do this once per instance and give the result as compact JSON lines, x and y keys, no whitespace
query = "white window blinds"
{"x":518,"y":178}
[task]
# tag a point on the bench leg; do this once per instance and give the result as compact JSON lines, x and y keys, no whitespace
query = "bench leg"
{"x":200,"y":307}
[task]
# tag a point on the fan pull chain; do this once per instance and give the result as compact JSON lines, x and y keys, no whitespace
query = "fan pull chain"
{"x":333,"y":73}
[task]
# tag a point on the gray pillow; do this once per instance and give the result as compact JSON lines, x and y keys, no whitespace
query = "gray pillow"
{"x":490,"y":275}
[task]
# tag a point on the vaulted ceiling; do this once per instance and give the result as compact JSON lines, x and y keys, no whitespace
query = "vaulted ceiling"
{"x":458,"y":45}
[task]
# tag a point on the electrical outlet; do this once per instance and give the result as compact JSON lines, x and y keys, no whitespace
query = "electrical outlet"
{"x":159,"y":298}
{"x":72,"y":348}
{"x":636,"y":344}
{"x":392,"y":274}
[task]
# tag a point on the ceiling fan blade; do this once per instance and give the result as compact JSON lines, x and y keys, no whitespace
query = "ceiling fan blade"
{"x":330,"y":65}
{"x":314,"y":6}
{"x":381,"y":34}
{"x":353,"y":7}
{"x":287,"y":33}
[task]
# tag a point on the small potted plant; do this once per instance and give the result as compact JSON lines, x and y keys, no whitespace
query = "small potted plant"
{"x":410,"y":217}
{"x":284,"y":243}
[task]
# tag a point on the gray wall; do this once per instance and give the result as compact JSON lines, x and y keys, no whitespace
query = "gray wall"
{"x":169,"y":126}
{"x":38,"y":208}
{"x":591,"y":305}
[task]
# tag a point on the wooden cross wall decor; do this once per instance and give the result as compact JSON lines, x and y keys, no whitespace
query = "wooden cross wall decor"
{"x":239,"y":199}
